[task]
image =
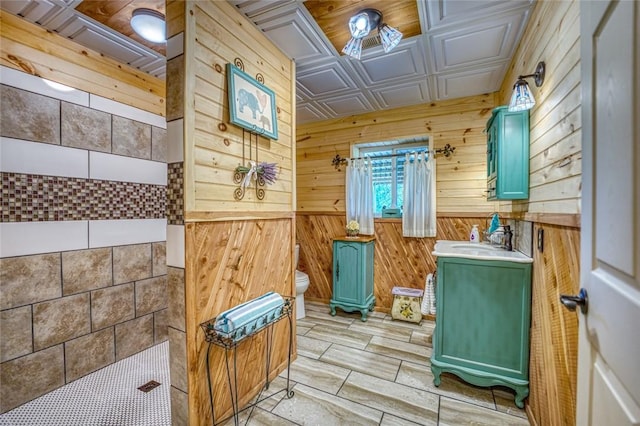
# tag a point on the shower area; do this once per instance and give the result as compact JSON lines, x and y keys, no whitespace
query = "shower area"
{"x":84,"y":280}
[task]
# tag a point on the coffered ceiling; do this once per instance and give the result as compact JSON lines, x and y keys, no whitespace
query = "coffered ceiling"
{"x":450,"y":48}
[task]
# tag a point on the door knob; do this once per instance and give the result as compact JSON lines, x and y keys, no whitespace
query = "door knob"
{"x":571,"y":302}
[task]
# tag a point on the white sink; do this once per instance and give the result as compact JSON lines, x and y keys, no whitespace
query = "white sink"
{"x":478,"y":251}
{"x":474,"y":246}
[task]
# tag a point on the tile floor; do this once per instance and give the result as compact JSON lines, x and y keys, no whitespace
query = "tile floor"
{"x":107,"y":397}
{"x":347,"y":373}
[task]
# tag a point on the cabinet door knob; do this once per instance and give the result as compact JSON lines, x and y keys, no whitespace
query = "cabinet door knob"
{"x":571,"y":302}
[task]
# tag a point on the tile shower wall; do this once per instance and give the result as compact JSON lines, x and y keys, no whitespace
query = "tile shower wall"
{"x":66,"y":314}
{"x":175,"y":232}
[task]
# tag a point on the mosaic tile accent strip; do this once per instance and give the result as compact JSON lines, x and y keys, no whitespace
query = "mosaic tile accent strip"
{"x":38,"y":198}
{"x":175,"y":194}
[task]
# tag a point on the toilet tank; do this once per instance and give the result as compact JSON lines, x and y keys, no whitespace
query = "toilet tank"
{"x":297,"y":254}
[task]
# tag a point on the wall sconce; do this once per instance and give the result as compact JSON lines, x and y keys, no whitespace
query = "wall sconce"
{"x":149,"y":24}
{"x":522,"y":99}
{"x":361,"y":24}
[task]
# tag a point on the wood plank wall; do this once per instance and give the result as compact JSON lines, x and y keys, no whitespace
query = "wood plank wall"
{"x":555,"y":176}
{"x":32,"y":49}
{"x":175,"y":14}
{"x":398,"y":261}
{"x":221,"y":35}
{"x":460,"y":179}
{"x":554,"y":330}
{"x":228,"y":263}
{"x":235,"y":250}
{"x":553,"y":36}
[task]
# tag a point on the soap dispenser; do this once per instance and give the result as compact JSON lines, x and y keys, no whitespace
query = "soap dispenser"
{"x":474,"y":236}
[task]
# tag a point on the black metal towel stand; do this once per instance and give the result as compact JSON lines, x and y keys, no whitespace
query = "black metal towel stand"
{"x":230,"y":341}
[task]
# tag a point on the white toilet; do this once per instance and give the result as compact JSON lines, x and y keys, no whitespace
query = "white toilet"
{"x":302,"y":284}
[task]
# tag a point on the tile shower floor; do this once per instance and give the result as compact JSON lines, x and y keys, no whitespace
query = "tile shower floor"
{"x":347,"y":373}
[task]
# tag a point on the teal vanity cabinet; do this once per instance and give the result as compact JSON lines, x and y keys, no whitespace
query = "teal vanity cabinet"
{"x":353,"y":275}
{"x":482,"y":323}
{"x":508,"y":155}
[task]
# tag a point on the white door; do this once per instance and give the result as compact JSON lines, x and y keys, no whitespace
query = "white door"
{"x":609,"y":334}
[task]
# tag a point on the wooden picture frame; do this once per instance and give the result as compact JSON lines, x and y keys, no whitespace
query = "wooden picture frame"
{"x":252,"y":105}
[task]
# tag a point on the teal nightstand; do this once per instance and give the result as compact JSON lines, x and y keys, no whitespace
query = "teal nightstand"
{"x":353,"y":275}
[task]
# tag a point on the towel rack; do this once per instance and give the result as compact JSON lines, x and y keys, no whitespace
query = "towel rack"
{"x":230,"y":341}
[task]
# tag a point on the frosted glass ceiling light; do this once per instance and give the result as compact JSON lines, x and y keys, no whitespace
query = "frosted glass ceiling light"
{"x":361,"y":25}
{"x":149,"y":24}
{"x":390,"y":37}
{"x":353,"y":48}
{"x":522,"y":99}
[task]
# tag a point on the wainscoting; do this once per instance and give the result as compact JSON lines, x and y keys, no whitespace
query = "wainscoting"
{"x":399,"y":261}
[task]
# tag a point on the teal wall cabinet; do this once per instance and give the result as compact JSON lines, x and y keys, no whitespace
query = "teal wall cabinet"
{"x":508,"y":155}
{"x":482,"y":323}
{"x":353,"y":275}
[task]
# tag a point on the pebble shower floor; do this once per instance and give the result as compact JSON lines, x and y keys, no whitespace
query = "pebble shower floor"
{"x":107,"y":397}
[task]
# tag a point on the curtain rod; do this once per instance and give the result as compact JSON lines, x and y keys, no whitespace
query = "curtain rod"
{"x":338,"y":161}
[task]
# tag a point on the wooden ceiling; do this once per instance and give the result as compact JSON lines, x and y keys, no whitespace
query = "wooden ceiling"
{"x":116,"y":15}
{"x":333,"y":17}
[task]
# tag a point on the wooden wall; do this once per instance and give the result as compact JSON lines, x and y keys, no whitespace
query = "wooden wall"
{"x":460,"y":179}
{"x":228,"y":263}
{"x":398,"y":261}
{"x":554,"y":330}
{"x":236,"y":250}
{"x":32,"y":49}
{"x":553,"y":36}
{"x":221,"y":34}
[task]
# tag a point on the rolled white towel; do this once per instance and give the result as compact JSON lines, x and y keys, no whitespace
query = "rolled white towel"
{"x":432,"y":296}
{"x":426,"y":300}
{"x":251,"y":314}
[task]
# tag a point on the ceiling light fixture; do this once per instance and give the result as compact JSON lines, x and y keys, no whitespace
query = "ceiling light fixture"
{"x":361,"y":24}
{"x":149,"y":24}
{"x":522,"y":99}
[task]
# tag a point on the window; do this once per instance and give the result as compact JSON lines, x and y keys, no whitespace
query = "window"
{"x":388,"y":170}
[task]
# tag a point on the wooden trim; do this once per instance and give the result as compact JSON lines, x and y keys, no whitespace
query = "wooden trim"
{"x":393,"y":219}
{"x":227,"y":216}
{"x":465,"y":214}
{"x":569,"y":220}
{"x":358,"y":239}
{"x":319,"y":213}
{"x":561,"y":219}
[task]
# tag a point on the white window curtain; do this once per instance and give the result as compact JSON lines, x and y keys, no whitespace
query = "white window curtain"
{"x":359,"y":194}
{"x":419,"y":210}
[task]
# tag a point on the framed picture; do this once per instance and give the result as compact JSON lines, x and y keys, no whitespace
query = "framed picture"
{"x":252,"y":105}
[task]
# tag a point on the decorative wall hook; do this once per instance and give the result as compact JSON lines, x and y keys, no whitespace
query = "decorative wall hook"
{"x":447,"y":150}
{"x":251,"y":170}
{"x":339,"y":161}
